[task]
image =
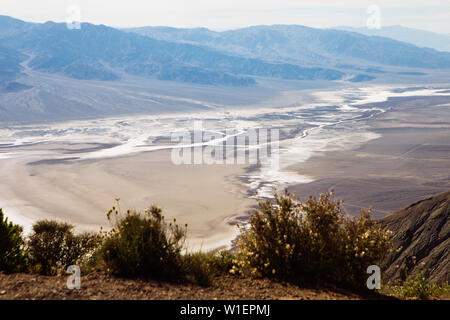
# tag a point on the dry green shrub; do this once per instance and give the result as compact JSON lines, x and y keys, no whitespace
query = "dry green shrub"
{"x":144,"y":245}
{"x":201,"y":267}
{"x":53,"y":246}
{"x":223,"y":261}
{"x":417,"y":287}
{"x":198,"y":268}
{"x":13,"y":257}
{"x":310,"y":241}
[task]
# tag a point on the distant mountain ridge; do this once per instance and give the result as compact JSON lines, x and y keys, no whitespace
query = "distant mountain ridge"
{"x":305,"y":45}
{"x":231,"y":58}
{"x":10,"y":26}
{"x":103,"y":53}
{"x":420,"y":38}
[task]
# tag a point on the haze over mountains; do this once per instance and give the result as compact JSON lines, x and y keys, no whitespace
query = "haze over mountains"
{"x":305,"y":45}
{"x":237,"y":58}
{"x":202,"y":55}
{"x":420,"y":38}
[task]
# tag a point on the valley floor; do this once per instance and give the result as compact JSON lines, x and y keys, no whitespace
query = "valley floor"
{"x":409,"y":162}
{"x":372,"y":153}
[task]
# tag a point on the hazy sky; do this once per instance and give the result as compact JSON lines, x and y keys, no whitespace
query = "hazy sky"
{"x":433,"y":15}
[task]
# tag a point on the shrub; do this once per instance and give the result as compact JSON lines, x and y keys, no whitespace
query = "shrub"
{"x":53,"y":246}
{"x":310,"y":241}
{"x":201,"y":267}
{"x":198,"y":267}
{"x":416,"y":286}
{"x":13,"y":257}
{"x":144,"y":245}
{"x":223,"y":261}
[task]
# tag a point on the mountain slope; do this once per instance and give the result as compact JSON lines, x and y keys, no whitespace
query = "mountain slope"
{"x":100,"y":52}
{"x":231,"y":58}
{"x":94,"y":51}
{"x":10,"y":26}
{"x":10,"y":60}
{"x":416,"y":37}
{"x":305,"y":45}
{"x":10,"y":70}
{"x":421,"y":230}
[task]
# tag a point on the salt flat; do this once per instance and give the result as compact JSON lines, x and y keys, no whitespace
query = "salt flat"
{"x":408,"y":162}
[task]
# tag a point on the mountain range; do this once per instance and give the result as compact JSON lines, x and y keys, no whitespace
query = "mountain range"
{"x":420,"y":38}
{"x":230,"y":58}
{"x":305,"y":45}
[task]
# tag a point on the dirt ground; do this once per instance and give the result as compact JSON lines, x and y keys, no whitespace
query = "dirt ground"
{"x":101,"y":286}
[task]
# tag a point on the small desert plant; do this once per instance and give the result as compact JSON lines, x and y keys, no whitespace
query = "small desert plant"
{"x":144,"y":245}
{"x":201,"y":267}
{"x":416,"y":286}
{"x":223,"y":261}
{"x":311,"y":241}
{"x":53,"y":246}
{"x":198,"y":267}
{"x":13,"y":257}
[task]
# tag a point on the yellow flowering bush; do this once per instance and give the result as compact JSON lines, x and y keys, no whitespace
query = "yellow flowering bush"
{"x":144,"y":245}
{"x":417,"y":287}
{"x":314,"y":240}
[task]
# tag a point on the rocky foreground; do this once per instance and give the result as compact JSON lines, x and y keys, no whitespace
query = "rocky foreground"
{"x":421,"y":233}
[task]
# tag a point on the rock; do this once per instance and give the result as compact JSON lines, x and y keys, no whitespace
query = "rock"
{"x":421,"y":232}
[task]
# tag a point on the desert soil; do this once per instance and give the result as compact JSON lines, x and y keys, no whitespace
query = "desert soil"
{"x":102,"y":286}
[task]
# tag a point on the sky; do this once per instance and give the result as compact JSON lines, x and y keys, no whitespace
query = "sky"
{"x":432,"y":15}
